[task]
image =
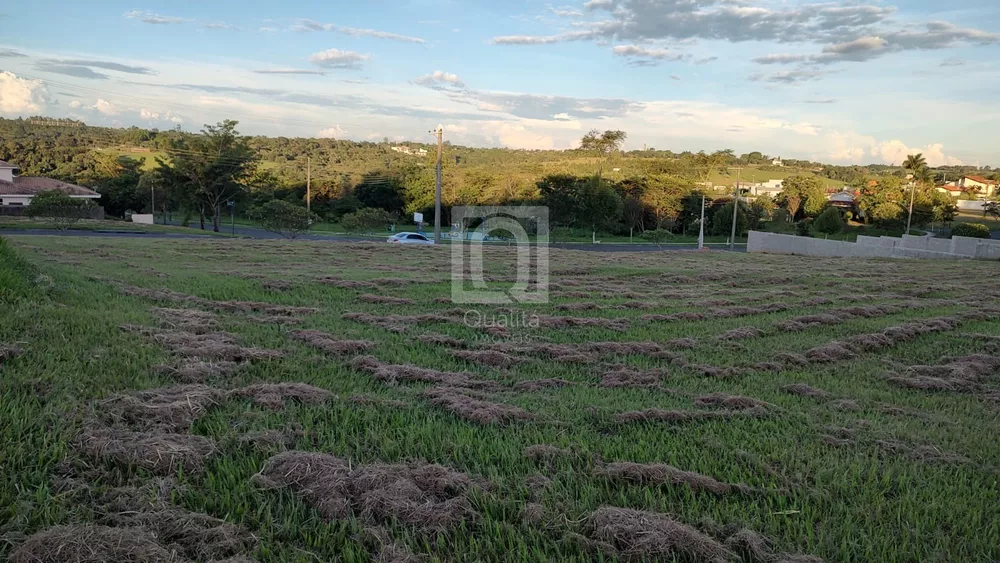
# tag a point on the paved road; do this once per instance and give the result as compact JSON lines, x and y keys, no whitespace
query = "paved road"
{"x":261,"y":234}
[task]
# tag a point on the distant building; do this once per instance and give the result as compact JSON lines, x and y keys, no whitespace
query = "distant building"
{"x":407,"y":150}
{"x":777,"y":162}
{"x":950,"y":189}
{"x":17,"y":191}
{"x":982,"y":187}
{"x":770,"y":187}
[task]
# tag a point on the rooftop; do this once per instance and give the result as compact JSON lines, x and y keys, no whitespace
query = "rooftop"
{"x":4,"y":164}
{"x":981,"y":180}
{"x":30,"y":185}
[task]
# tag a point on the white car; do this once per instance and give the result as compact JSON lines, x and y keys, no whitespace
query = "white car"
{"x":409,"y":238}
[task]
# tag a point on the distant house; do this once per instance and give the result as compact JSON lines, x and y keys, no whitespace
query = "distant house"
{"x":17,"y":190}
{"x":777,"y":162}
{"x":770,"y":187}
{"x":843,"y":199}
{"x":407,"y":150}
{"x":977,"y":184}
{"x":950,"y":189}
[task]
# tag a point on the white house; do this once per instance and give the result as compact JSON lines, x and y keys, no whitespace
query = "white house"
{"x":16,"y":190}
{"x":981,"y":186}
{"x":770,"y":187}
{"x":777,"y":162}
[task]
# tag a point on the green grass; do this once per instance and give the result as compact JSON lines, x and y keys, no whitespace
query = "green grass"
{"x":858,"y":502}
{"x":149,"y":156}
{"x":22,"y":223}
{"x":978,"y":217}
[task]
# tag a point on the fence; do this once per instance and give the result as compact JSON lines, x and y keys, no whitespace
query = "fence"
{"x":876,"y":247}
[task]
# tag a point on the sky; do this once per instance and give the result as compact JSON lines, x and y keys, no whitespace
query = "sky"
{"x":835,"y":82}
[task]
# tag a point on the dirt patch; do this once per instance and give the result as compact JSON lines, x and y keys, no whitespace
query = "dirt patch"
{"x":480,"y":411}
{"x":643,"y":535}
{"x":539,"y":384}
{"x":394,"y":373}
{"x":490,"y":358}
{"x":662,"y":474}
{"x":91,"y":544}
{"x":429,"y":497}
{"x":329,"y":344}
{"x":196,"y":371}
{"x":627,"y":376}
{"x":159,"y":452}
{"x":274,"y":395}
{"x":742,"y":333}
{"x":171,"y":409}
{"x":735,"y":402}
{"x":441,"y":340}
{"x":384,"y":299}
{"x":804,"y":390}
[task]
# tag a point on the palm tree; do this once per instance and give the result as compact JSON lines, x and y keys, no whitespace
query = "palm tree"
{"x":915,"y":163}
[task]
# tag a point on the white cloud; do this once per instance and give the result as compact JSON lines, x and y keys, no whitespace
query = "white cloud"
{"x":310,"y":25}
{"x":895,"y":152}
{"x":150,"y":17}
{"x":561,"y":117}
{"x":332,"y":132}
{"x":647,"y":53}
{"x":335,"y":58}
{"x":106,"y":107}
{"x":863,"y":149}
{"x":147,"y":115}
{"x":566,"y":12}
{"x":440,"y":77}
{"x":21,"y":95}
{"x":75,"y":104}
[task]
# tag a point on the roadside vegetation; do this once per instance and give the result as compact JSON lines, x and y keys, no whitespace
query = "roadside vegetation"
{"x":212,"y":399}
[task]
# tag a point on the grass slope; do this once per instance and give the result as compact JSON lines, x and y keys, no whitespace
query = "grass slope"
{"x":869,"y":498}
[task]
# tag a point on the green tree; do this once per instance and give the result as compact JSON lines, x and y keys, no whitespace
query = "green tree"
{"x":991,"y":208}
{"x":382,"y":191}
{"x":829,"y":222}
{"x":722,"y":220}
{"x":59,"y":208}
{"x":286,"y":219}
{"x":119,"y":187}
{"x":759,"y":211}
{"x":802,"y":193}
{"x":215,"y":163}
{"x":367,"y":220}
{"x":603,"y":143}
{"x":915,"y":163}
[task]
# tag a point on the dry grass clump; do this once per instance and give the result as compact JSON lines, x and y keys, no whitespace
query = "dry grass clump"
{"x":441,"y":340}
{"x":427,"y":496}
{"x":845,"y":405}
{"x":731,"y":401}
{"x":716,"y":371}
{"x":539,"y":384}
{"x":678,"y":417}
{"x":850,"y":347}
{"x":268,"y":439}
{"x":159,"y":452}
{"x":627,"y":376}
{"x":91,"y":544}
{"x":683,"y":316}
{"x":347,"y":284}
{"x":743,"y":311}
{"x":533,"y":513}
{"x":331,"y":345}
{"x":218,"y":346}
{"x":196,"y":371}
{"x":750,"y":545}
{"x":637,"y":534}
{"x":682,"y":343}
{"x":480,"y":411}
{"x":393,"y":373}
{"x":546,"y":321}
{"x":490,"y":358}
{"x":170,"y":408}
{"x":791,"y":359}
{"x":384,"y":299}
{"x":276,"y":285}
{"x":579,"y":306}
{"x":231,"y":306}
{"x":796,"y":324}
{"x":274,"y":395}
{"x":544,"y":452}
{"x":742,"y":333}
{"x":928,"y":454}
{"x":395,"y":323}
{"x":188,"y":320}
{"x":961,"y":374}
{"x":833,"y":352}
{"x":835,"y":441}
{"x":9,"y":352}
{"x":663,"y":474}
{"x":804,"y":390}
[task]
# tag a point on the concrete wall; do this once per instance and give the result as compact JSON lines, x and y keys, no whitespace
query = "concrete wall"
{"x":967,"y":205}
{"x":965,"y":246}
{"x":871,"y":247}
{"x":142,"y":219}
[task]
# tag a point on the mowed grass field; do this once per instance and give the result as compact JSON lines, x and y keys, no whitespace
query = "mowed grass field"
{"x":211,"y":400}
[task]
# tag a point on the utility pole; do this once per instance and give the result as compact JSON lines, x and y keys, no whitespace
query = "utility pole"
{"x":736,"y":208}
{"x":308,"y":184}
{"x":909,"y":218}
{"x":701,"y":225}
{"x":152,"y":204}
{"x":439,"y":133}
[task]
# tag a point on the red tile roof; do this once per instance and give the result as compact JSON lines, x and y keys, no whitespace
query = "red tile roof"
{"x":31,"y":185}
{"x":982,"y":180}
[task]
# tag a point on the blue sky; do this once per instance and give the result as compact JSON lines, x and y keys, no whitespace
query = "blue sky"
{"x":835,"y":82}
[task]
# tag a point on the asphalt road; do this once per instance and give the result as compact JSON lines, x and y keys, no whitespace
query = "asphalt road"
{"x":261,"y":234}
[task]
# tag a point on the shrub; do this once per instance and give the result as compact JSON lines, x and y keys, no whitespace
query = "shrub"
{"x":367,"y":220}
{"x":286,"y":219}
{"x":61,"y":209}
{"x":802,"y":228}
{"x":722,"y":220}
{"x":829,"y":221}
{"x":657,"y":235}
{"x":974,"y":230}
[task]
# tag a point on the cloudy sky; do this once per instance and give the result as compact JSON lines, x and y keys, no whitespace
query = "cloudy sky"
{"x":836,"y":82}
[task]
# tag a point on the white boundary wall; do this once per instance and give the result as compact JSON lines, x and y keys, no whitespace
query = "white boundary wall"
{"x":875,"y":247}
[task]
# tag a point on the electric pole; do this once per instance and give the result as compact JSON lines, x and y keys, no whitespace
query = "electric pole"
{"x":909,"y":218}
{"x":308,"y":184}
{"x":736,"y":208}
{"x":701,"y":225}
{"x":439,"y":133}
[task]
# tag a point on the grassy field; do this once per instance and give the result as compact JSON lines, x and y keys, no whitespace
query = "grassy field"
{"x":21,"y":223}
{"x":974,"y":217}
{"x":199,"y":400}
